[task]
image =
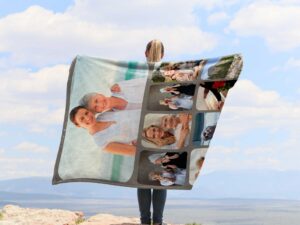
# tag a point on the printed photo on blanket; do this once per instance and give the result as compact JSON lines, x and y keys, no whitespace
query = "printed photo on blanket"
{"x":205,"y":126}
{"x":163,"y":168}
{"x":220,"y":68}
{"x":177,"y":72}
{"x":212,"y":94}
{"x":173,"y":97}
{"x":196,"y":163}
{"x":99,"y":136}
{"x":166,"y":131}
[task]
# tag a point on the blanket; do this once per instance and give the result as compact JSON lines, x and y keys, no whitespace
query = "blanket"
{"x":146,"y":125}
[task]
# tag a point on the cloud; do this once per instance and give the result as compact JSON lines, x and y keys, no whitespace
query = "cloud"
{"x":249,"y":108}
{"x":213,"y":4}
{"x":224,"y":150}
{"x":292,"y":63}
{"x":36,"y":98}
{"x":274,"y":21}
{"x":39,"y":37}
{"x":16,"y":167}
{"x":217,"y":18}
{"x":31,"y":147}
{"x":257,"y":129}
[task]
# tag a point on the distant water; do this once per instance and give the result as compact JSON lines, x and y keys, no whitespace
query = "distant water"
{"x":206,"y":212}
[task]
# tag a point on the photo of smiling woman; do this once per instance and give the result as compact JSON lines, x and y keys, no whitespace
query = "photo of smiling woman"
{"x":166,"y":131}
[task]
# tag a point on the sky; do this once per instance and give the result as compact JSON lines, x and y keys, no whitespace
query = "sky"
{"x":259,"y":126}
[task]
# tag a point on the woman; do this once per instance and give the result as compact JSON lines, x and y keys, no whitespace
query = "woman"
{"x":177,"y":75}
{"x":125,"y":95}
{"x":154,"y":53}
{"x":178,"y":89}
{"x":176,"y":102}
{"x":158,"y":136}
{"x":170,"y":160}
{"x":111,"y":131}
{"x":168,"y":178}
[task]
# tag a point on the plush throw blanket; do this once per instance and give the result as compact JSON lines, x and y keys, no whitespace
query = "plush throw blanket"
{"x":142,"y":125}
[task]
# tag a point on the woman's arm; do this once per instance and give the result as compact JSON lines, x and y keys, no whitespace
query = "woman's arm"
{"x":183,"y":134}
{"x":172,"y":106}
{"x":120,"y":148}
{"x":172,"y":166}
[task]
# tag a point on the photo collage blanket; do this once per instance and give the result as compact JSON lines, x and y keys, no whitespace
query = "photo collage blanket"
{"x":146,"y":125}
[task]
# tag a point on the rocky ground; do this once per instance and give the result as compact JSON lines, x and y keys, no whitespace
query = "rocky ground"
{"x":15,"y":215}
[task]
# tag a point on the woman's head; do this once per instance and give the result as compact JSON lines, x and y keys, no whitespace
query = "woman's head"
{"x":169,"y":73}
{"x":169,"y":122}
{"x":82,"y":117}
{"x":158,"y":136}
{"x":154,"y":175}
{"x":95,"y":102}
{"x":156,"y":158}
{"x":154,"y":132}
{"x":154,"y":51}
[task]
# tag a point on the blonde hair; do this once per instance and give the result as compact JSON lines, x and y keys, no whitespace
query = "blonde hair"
{"x":154,"y":51}
{"x":152,"y":174}
{"x":169,"y":139}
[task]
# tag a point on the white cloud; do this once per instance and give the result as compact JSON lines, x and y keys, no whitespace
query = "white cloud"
{"x":212,"y":4}
{"x":224,"y":150}
{"x":258,"y":129}
{"x":275,"y":21}
{"x":249,"y":107}
{"x":292,"y":63}
{"x":31,"y":147}
{"x":17,"y":167}
{"x":217,"y":18}
{"x":36,"y":98}
{"x":41,"y":37}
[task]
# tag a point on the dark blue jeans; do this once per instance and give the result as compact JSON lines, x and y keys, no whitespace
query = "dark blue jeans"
{"x":158,"y":198}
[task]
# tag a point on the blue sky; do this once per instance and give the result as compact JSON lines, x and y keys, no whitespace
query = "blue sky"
{"x":259,"y":125}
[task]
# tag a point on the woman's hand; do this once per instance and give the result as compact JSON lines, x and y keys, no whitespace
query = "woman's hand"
{"x":220,"y":105}
{"x":134,"y":142}
{"x":184,"y":118}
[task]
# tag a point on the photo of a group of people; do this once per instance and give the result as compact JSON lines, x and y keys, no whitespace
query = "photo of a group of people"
{"x":178,"y":97}
{"x":178,"y":72}
{"x":163,"y":168}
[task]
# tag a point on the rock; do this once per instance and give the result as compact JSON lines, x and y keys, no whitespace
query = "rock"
{"x":107,"y":219}
{"x":15,"y":215}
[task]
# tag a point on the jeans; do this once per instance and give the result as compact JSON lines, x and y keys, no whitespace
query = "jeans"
{"x":158,"y":201}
